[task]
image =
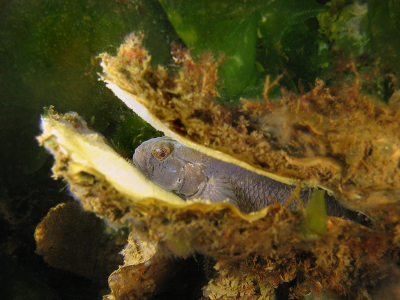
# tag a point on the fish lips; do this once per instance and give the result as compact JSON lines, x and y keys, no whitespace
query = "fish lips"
{"x":139,"y":159}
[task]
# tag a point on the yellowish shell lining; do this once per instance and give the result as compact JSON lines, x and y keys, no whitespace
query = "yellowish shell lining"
{"x":89,"y":153}
{"x":132,"y":102}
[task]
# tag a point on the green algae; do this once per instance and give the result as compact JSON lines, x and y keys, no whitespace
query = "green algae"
{"x":245,"y":34}
{"x":131,"y":133}
{"x":316,"y":215}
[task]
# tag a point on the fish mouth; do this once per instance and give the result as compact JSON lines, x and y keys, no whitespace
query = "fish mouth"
{"x":139,"y":160}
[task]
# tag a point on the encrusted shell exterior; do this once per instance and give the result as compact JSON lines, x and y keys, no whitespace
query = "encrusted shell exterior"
{"x":254,"y":253}
{"x":340,"y":139}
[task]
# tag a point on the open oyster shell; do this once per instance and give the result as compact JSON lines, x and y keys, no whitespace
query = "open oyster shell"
{"x":254,"y":253}
{"x":340,"y":139}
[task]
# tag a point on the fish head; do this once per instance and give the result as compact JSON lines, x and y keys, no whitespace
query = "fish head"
{"x":170,"y":165}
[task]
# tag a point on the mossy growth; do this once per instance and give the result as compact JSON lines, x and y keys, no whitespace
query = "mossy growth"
{"x":254,"y":253}
{"x":339,"y":137}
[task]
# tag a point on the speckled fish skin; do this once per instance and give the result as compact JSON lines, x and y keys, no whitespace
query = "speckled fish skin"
{"x":191,"y":174}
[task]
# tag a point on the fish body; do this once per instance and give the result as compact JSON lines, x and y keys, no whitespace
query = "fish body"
{"x":194,"y":175}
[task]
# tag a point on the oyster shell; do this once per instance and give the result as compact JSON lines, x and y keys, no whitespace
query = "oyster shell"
{"x":341,"y":139}
{"x":254,"y":253}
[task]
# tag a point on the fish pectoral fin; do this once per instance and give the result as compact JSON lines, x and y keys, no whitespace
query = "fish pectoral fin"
{"x":219,"y":190}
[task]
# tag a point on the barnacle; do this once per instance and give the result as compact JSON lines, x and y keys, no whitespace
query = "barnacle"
{"x":299,"y":139}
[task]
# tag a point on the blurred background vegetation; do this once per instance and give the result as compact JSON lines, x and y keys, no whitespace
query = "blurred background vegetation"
{"x":48,"y":51}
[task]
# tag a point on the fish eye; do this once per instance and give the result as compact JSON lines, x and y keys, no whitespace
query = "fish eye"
{"x":161,"y":150}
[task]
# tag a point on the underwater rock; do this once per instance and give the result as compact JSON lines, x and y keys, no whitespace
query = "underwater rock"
{"x":338,"y":139}
{"x":74,"y":240}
